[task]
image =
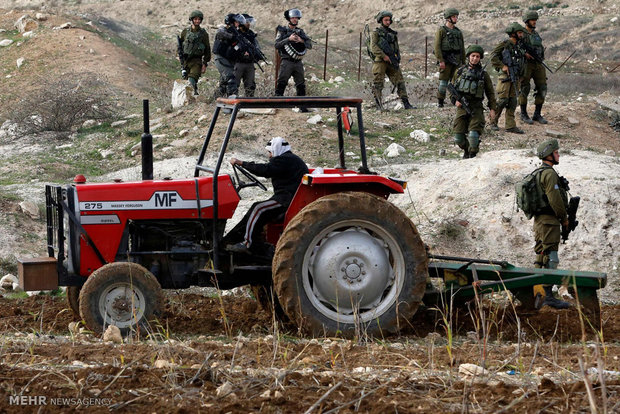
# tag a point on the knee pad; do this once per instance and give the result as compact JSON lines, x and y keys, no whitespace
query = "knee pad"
{"x":543,"y":91}
{"x":553,"y":260}
{"x":474,"y":141}
{"x":525,"y":89}
{"x":459,"y":139}
{"x":443,"y":85}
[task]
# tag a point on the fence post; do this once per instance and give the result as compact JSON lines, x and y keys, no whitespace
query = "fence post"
{"x":425,"y":57}
{"x":325,"y":57}
{"x":359,"y":62}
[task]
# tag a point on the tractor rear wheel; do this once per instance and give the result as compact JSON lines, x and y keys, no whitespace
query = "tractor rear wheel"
{"x":350,"y":264}
{"x":123,"y":294}
{"x":73,"y":299}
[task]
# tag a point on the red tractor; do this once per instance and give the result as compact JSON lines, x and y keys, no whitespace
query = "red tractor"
{"x":346,"y":260}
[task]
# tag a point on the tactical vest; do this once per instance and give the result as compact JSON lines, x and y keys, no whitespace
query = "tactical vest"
{"x":518,"y":56}
{"x":452,"y":41}
{"x":293,"y":50}
{"x":470,"y":81}
{"x":390,"y":37}
{"x":251,"y":36}
{"x":224,"y":42}
{"x":535,"y":41}
{"x":193,"y":46}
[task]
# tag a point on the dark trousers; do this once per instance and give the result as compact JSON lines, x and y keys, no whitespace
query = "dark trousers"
{"x":250,"y":227}
{"x":294,"y":68}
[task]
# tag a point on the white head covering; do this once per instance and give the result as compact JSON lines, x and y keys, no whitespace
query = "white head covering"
{"x":278,"y":146}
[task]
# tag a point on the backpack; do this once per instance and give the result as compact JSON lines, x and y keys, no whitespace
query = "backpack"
{"x":530,"y":195}
{"x":367,"y":40}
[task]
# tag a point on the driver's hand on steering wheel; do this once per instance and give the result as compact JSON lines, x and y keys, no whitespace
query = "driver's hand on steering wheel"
{"x":234,"y":161}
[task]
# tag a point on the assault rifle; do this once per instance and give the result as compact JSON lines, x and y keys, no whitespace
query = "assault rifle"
{"x":390,"y":52}
{"x":573,"y":205}
{"x":513,"y":67}
{"x":532,"y":52}
{"x":255,"y":53}
{"x":452,"y":58}
{"x":184,"y":73}
{"x":456,"y":96}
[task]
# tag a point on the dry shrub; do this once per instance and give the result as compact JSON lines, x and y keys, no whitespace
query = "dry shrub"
{"x":62,"y":105}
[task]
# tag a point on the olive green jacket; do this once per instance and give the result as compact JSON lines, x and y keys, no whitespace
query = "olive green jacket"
{"x":556,"y":196}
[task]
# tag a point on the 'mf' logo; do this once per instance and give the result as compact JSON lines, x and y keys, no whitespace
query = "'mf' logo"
{"x":165,"y":199}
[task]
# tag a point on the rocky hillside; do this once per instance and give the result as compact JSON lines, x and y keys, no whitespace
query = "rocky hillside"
{"x":461,"y":207}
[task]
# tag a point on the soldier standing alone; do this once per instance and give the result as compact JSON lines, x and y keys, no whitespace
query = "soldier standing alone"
{"x":196,"y":50}
{"x":547,"y":221}
{"x":384,"y":47}
{"x":510,"y":73}
{"x":533,"y":70}
{"x":449,"y":50}
{"x":292,"y":44}
{"x":473,"y":83}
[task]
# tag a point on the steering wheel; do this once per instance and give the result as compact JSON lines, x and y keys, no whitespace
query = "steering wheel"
{"x":253,"y":180}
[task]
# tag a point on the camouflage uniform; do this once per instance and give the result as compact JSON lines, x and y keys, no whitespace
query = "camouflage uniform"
{"x":450,"y":49}
{"x":473,"y":83}
{"x":506,"y":90}
{"x":196,"y":50}
{"x":533,"y":70}
{"x":383,"y":41}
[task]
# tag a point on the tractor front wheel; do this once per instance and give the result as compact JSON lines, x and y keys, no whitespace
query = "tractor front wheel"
{"x":123,"y":294}
{"x":350,"y":264}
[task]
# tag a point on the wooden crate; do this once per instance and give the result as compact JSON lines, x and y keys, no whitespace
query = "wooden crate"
{"x":38,"y":273}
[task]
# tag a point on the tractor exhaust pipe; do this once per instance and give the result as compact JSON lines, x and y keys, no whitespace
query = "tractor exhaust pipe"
{"x":147,"y":144}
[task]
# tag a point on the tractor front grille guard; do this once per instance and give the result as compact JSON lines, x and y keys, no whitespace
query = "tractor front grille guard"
{"x":56,"y":237}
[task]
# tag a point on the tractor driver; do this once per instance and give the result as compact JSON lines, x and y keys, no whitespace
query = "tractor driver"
{"x":286,"y":171}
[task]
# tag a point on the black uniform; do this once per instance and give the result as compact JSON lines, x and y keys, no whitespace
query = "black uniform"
{"x":291,"y":54}
{"x":286,"y":172}
{"x":226,"y":51}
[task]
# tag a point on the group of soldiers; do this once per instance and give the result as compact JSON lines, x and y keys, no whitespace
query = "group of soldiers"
{"x":518,"y":59}
{"x":236,"y":51}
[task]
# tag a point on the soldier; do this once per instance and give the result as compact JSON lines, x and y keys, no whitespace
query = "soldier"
{"x":286,"y":171}
{"x":195,"y":49}
{"x":292,"y":44}
{"x":226,"y":50}
{"x":244,"y":67}
{"x":547,"y":230}
{"x":384,"y":48}
{"x":533,"y":70}
{"x":510,"y":73}
{"x":449,"y":50}
{"x":473,"y":83}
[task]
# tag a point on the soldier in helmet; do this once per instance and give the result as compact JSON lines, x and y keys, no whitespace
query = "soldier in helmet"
{"x":449,"y":50}
{"x":384,"y":48}
{"x":227,"y":51}
{"x":533,"y":70}
{"x":196,"y":50}
{"x":292,"y":44}
{"x":547,"y":230}
{"x":473,"y":83}
{"x":506,"y":88}
{"x":244,"y":67}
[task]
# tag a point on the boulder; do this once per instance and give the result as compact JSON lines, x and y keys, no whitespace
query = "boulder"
{"x":40,"y":17}
{"x":26,"y":24}
{"x":315,"y":119}
{"x":6,"y":42}
{"x":420,"y":135}
{"x":394,"y":150}
{"x":182,"y":94}
{"x":8,"y":281}
{"x":30,"y":208}
{"x":554,"y":134}
{"x":113,"y":334}
{"x":28,"y":35}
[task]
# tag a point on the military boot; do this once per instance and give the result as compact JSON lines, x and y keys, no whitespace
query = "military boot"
{"x":537,"y":115}
{"x":515,"y":130}
{"x":440,"y":102}
{"x":524,"y":116}
{"x":194,"y":84}
{"x":406,"y":104}
{"x":552,"y":301}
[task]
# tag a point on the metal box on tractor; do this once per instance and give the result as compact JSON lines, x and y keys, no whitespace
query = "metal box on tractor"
{"x":345,"y":259}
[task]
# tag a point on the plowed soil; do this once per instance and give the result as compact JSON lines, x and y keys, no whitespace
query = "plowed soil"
{"x":224,"y":354}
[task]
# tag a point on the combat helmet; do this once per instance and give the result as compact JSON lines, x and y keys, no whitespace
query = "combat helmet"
{"x":450,"y":12}
{"x":530,"y":15}
{"x":196,"y":13}
{"x":290,"y":13}
{"x":382,"y":14}
{"x":546,"y":148}
{"x":475,"y":49}
{"x":514,"y":27}
{"x":234,"y":17}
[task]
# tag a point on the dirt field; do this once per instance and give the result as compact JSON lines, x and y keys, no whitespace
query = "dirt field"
{"x":224,"y":354}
